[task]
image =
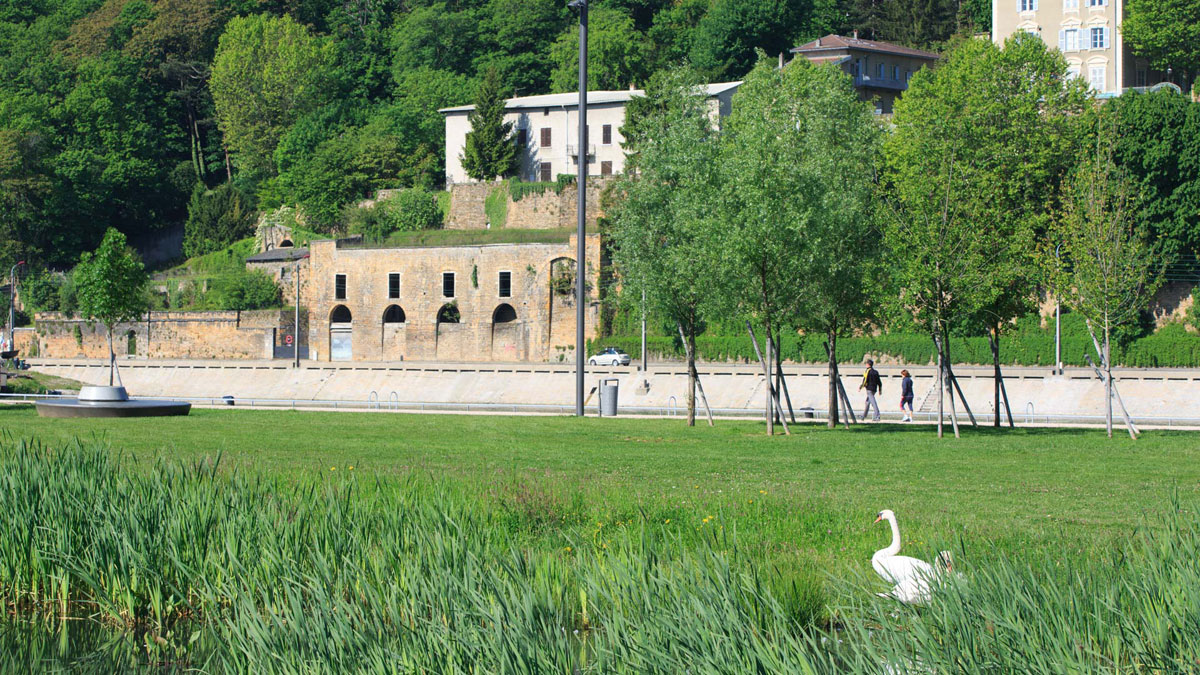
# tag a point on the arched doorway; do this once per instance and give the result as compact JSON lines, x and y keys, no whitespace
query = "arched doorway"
{"x":504,"y":314}
{"x":449,"y":314}
{"x":286,"y":243}
{"x":392,"y":337}
{"x":131,"y":343}
{"x":341,"y":332}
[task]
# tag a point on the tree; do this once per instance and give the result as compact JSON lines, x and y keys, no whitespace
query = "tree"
{"x":981,"y":144}
{"x":1157,"y":141}
{"x":267,"y":72}
{"x":1106,"y":270}
{"x":489,"y":151}
{"x":617,"y":53}
{"x":111,"y":287}
{"x":662,"y":236}
{"x":725,"y":40}
{"x":824,"y":145}
{"x":1165,"y":32}
{"x":216,"y":218}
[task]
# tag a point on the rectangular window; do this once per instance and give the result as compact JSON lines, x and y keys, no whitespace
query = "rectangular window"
{"x":1068,"y":40}
{"x":1097,"y":3}
{"x":896,"y":73}
{"x":506,"y":284}
{"x":545,"y":137}
{"x":1072,"y":72}
{"x":605,"y":168}
{"x":545,"y":169}
{"x":1099,"y":38}
{"x":393,"y":285}
{"x":1096,"y":77}
{"x":1141,"y":78}
{"x":522,"y":138}
{"x":339,"y":287}
{"x":908,"y":76}
{"x":448,"y":284}
{"x":1070,"y":5}
{"x":606,"y":134}
{"x":1027,"y":5}
{"x":879,"y":71}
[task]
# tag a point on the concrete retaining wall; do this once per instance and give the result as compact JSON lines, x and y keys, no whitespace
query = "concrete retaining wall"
{"x":1148,"y":393}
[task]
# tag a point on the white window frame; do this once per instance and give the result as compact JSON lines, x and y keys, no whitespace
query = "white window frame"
{"x":1097,"y":3}
{"x":1065,"y":41}
{"x":1027,"y":6}
{"x":1101,"y":70}
{"x":1071,"y":5}
{"x":1102,"y":31}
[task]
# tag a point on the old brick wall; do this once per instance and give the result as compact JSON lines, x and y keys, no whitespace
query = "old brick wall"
{"x":162,"y":335}
{"x":536,"y":211}
{"x":544,"y":320}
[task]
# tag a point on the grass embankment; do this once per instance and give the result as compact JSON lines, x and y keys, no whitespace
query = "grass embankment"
{"x":459,"y":543}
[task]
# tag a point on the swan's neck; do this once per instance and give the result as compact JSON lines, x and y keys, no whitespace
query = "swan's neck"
{"x":894,"y":547}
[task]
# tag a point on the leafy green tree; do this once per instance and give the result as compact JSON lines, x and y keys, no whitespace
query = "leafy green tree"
{"x":437,"y":37}
{"x":663,"y":238}
{"x":518,"y":35}
{"x":800,"y":161}
{"x":110,"y":285}
{"x":726,"y":38}
{"x":1104,"y":269}
{"x":249,"y":291}
{"x":416,"y":209}
{"x":1165,"y":32}
{"x":267,"y":72}
{"x":617,"y":53}
{"x":216,"y":218}
{"x":1157,"y":142}
{"x":489,"y":151}
{"x":980,"y":145}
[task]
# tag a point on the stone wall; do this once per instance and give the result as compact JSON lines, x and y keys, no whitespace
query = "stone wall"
{"x":160,"y":335}
{"x":537,"y":211}
{"x":544,"y":324}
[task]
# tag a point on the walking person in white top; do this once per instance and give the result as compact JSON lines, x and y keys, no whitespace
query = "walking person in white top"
{"x":873,"y":385}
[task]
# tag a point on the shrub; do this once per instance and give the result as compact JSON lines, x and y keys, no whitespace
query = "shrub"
{"x":216,"y":218}
{"x":251,"y":290}
{"x":414,"y":209}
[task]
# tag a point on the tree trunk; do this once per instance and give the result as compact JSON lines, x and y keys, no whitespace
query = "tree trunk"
{"x":767,"y":373}
{"x":112,"y":357}
{"x":833,"y":376}
{"x":228,"y":166}
{"x":941,"y":373}
{"x":1108,"y":387}
{"x":690,"y":347}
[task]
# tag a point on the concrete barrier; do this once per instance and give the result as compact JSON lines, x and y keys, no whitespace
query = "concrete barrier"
{"x":1147,"y":392}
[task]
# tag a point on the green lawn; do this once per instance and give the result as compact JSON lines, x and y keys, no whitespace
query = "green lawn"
{"x":807,"y":500}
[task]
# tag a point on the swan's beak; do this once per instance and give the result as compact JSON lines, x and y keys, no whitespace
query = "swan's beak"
{"x":878,"y":518}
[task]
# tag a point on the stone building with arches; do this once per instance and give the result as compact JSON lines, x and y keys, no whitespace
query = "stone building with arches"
{"x":489,"y":302}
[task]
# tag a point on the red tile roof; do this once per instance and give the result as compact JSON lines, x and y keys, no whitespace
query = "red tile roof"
{"x":840,"y":42}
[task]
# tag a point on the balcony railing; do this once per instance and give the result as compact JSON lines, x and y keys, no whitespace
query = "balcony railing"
{"x":573,"y":150}
{"x":880,"y":82}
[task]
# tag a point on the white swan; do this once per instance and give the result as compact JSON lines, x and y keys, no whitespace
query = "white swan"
{"x":910,"y":577}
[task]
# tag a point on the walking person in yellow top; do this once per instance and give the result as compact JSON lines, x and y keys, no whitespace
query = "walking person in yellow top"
{"x":873,"y":385}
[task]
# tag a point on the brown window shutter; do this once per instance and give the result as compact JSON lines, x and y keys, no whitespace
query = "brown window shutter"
{"x":522,"y":137}
{"x":606,"y":134}
{"x":545,"y":172}
{"x":605,"y":168}
{"x":545,"y":137}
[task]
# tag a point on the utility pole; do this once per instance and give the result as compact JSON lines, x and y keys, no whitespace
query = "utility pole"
{"x":581,"y":245}
{"x":1057,"y":326}
{"x":644,"y":368}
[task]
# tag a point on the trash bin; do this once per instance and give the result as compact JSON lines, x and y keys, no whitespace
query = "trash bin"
{"x":608,"y":397}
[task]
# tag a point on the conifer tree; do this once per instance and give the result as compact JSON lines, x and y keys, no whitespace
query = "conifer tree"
{"x":489,"y":151}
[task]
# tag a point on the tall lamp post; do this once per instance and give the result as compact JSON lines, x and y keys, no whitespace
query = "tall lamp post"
{"x":12,"y":303}
{"x":581,"y":160}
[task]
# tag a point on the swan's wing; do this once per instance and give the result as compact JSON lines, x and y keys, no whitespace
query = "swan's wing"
{"x":897,"y":568}
{"x":912,"y":591}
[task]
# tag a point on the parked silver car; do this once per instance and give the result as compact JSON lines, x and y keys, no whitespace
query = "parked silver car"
{"x":611,"y":356}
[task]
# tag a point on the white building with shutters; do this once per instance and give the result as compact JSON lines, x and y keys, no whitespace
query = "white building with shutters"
{"x":546,"y":130}
{"x":1088,"y":32}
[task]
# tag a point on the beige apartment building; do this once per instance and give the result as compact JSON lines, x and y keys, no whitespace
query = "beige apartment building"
{"x":1088,"y":32}
{"x":546,"y":130}
{"x":881,"y":70}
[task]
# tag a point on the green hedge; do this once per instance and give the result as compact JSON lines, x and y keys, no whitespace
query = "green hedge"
{"x":1169,"y":347}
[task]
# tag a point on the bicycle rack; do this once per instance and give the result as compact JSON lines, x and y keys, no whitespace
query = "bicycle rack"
{"x":373,"y":400}
{"x":1029,"y":413}
{"x":671,"y":405}
{"x":394,"y":401}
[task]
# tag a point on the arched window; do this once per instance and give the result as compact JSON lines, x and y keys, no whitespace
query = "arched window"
{"x":393,"y":314}
{"x":449,"y":314}
{"x":340,"y":314}
{"x":504,"y":314}
{"x":130,"y":343}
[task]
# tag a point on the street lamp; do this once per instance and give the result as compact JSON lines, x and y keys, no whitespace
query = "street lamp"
{"x":12,"y":303}
{"x":1057,"y":324}
{"x":581,"y":160}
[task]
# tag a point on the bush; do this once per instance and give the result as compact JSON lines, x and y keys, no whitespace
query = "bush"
{"x":216,"y":218}
{"x":412,"y":210}
{"x":252,"y":290}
